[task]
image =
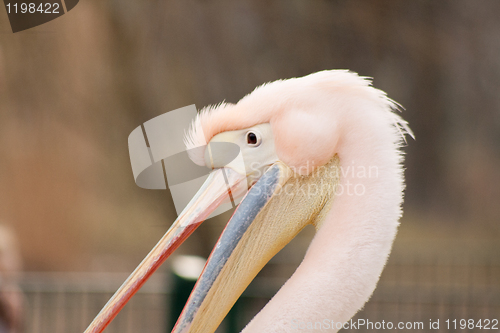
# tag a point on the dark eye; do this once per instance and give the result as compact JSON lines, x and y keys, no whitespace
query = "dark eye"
{"x":253,"y":139}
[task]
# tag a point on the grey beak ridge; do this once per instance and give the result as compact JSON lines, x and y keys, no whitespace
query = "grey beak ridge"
{"x":253,"y":203}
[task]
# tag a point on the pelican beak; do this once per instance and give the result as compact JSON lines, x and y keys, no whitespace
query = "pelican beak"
{"x":275,"y":209}
{"x":214,"y":191}
{"x":248,"y":242}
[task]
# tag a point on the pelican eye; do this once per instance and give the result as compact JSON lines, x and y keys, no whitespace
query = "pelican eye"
{"x":253,"y":139}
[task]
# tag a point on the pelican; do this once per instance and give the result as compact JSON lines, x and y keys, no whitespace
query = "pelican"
{"x":323,"y":149}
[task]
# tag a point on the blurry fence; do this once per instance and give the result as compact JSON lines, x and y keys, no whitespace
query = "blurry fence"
{"x":67,"y":302}
{"x":420,"y":292}
{"x":413,"y":291}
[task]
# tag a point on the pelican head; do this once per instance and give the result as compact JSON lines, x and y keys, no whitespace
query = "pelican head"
{"x":322,"y":150}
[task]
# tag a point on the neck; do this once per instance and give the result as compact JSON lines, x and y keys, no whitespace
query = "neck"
{"x":345,"y":259}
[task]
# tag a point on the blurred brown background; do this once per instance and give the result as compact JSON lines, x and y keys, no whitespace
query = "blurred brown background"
{"x":73,"y":89}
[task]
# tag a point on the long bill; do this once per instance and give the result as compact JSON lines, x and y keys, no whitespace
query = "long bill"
{"x":214,"y":191}
{"x":250,"y":239}
{"x":271,"y":214}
